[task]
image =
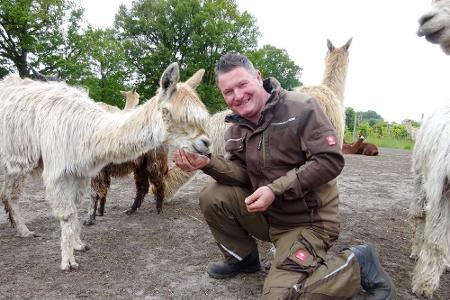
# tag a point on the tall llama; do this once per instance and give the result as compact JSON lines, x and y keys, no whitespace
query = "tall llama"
{"x":58,"y":130}
{"x":330,"y":94}
{"x":430,"y":207}
{"x":435,"y":24}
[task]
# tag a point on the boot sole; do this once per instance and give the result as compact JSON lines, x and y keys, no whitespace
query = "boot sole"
{"x":230,"y":275}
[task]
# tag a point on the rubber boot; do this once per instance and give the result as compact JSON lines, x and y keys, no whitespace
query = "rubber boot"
{"x":374,"y":279}
{"x":231,"y":266}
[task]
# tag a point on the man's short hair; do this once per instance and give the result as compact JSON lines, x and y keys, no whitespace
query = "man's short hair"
{"x":230,"y":61}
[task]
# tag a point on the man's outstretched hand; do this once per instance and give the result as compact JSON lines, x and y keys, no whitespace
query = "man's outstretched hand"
{"x":189,"y":161}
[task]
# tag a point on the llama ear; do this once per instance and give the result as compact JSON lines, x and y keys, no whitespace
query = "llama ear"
{"x":347,"y":45}
{"x":330,"y":45}
{"x":170,"y":77}
{"x":195,"y":79}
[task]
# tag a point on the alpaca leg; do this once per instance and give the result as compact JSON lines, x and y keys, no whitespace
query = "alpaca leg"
{"x":141,"y":181}
{"x":62,"y":194}
{"x":81,"y":191}
{"x":103,"y":193}
{"x":433,"y":256}
{"x":9,"y":195}
{"x":159,"y":184}
{"x":417,"y":216}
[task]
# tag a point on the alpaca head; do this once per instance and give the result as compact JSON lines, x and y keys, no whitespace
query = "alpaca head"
{"x":183,"y":112}
{"x":434,"y":24}
{"x":131,"y":98}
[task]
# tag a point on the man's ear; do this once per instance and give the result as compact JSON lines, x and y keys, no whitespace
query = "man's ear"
{"x":259,"y":77}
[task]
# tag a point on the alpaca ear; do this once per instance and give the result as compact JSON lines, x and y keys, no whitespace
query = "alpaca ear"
{"x":347,"y":45}
{"x":170,"y":77}
{"x":195,"y":79}
{"x":330,"y":45}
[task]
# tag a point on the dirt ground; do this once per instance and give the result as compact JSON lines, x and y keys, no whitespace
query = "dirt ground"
{"x":151,"y":256}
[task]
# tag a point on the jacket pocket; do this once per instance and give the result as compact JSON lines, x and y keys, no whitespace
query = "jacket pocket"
{"x":300,"y":258}
{"x":233,"y":145}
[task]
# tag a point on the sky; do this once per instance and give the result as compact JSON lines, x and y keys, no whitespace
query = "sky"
{"x":391,"y":70}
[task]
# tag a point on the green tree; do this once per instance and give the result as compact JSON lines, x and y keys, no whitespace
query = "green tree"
{"x":194,"y":33}
{"x":105,"y":69}
{"x":350,"y":115}
{"x":399,"y":131}
{"x":31,"y":30}
{"x":371,"y":117}
{"x":275,"y":62}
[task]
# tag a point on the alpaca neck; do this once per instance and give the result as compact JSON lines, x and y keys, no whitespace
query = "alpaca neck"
{"x":334,"y":76}
{"x":125,"y":136}
{"x":175,"y":179}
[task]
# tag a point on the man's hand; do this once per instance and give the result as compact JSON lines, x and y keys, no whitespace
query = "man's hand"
{"x":260,"y":200}
{"x":189,"y":161}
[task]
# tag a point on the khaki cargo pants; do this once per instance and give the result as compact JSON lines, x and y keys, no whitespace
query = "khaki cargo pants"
{"x":300,"y":268}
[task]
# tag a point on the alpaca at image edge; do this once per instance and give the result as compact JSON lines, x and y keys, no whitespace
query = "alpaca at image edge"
{"x":429,"y":210}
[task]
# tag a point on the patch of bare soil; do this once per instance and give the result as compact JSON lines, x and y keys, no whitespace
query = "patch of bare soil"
{"x":151,"y":256}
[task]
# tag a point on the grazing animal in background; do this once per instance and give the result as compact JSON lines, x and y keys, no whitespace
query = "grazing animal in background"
{"x":360,"y":147}
{"x":57,"y":130}
{"x":369,"y":149}
{"x":131,"y":101}
{"x":353,"y":148}
{"x":330,"y":93}
{"x":435,"y":24}
{"x":429,"y":210}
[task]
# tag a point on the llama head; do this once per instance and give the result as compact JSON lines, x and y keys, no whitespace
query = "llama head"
{"x":434,"y":25}
{"x":131,"y":99}
{"x":340,"y":51}
{"x":183,"y":112}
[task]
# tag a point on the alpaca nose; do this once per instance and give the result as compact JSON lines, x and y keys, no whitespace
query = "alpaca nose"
{"x":206,"y":142}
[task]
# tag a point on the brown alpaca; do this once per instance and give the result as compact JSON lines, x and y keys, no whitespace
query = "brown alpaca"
{"x":353,"y":148}
{"x":369,"y":149}
{"x":330,"y":93}
{"x":359,"y":147}
{"x":152,"y":166}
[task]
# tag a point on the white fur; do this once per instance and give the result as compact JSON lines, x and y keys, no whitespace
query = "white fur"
{"x":435,"y":24}
{"x":430,"y":207}
{"x":57,"y":128}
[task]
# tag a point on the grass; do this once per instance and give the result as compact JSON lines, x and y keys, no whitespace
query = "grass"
{"x":386,"y":142}
{"x":391,"y":142}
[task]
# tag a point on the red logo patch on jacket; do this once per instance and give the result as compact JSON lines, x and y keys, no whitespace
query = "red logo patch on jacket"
{"x":331,"y":140}
{"x":301,"y":255}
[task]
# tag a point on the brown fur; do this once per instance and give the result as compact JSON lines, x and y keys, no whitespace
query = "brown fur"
{"x":352,"y":148}
{"x":152,"y":166}
{"x":359,"y":147}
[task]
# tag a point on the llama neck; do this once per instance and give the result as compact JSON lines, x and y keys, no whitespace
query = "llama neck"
{"x":175,"y":179}
{"x":334,"y":76}
{"x":125,"y":136}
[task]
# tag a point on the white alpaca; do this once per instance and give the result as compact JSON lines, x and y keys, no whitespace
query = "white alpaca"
{"x":131,"y":101}
{"x":330,"y":94}
{"x":430,"y":206}
{"x":435,"y":24}
{"x":57,"y":129}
